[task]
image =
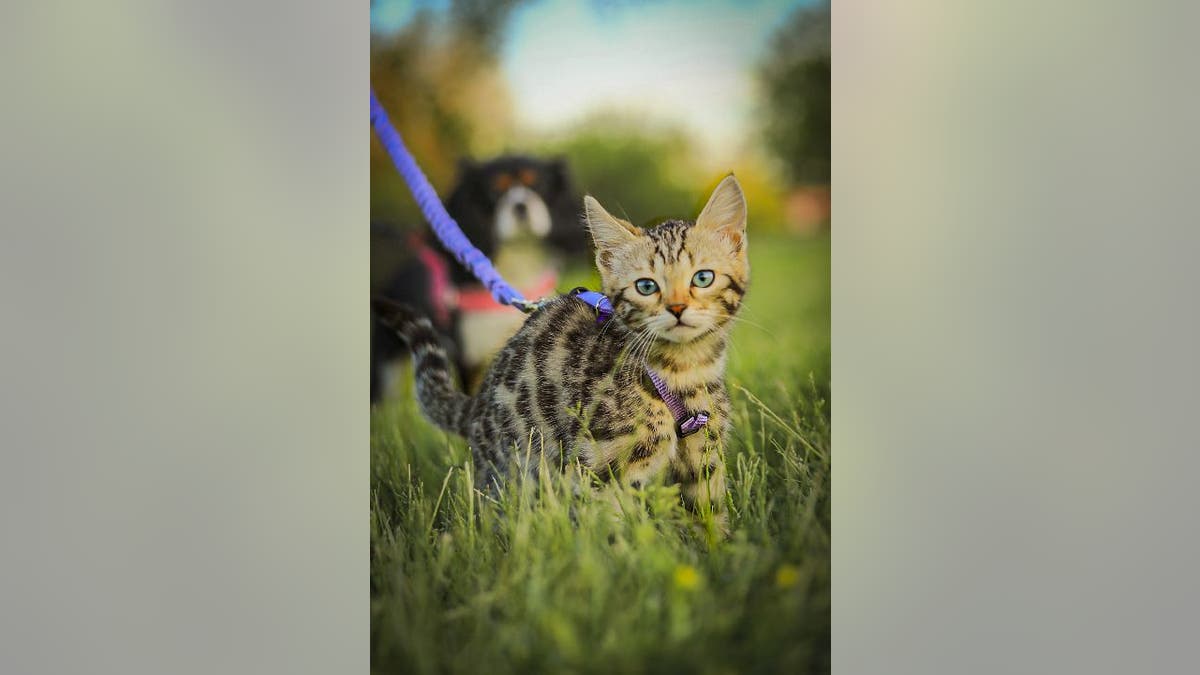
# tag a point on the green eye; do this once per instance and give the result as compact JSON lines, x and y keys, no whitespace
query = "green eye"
{"x":645,"y":286}
{"x":703,"y":278}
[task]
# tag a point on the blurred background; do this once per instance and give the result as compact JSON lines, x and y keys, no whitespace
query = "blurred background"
{"x":651,"y":103}
{"x":1016,"y":330}
{"x":646,"y":106}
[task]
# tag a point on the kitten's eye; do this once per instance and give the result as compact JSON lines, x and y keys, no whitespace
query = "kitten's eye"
{"x":645,"y":286}
{"x":703,"y":278}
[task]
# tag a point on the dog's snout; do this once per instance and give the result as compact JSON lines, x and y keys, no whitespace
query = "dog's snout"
{"x":677,"y":310}
{"x":521,"y":210}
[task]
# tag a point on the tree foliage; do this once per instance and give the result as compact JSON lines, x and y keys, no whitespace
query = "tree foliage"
{"x":795,"y":81}
{"x":639,"y":171}
{"x":440,"y":81}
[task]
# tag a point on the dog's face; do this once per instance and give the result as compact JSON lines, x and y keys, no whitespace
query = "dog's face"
{"x":517,"y":187}
{"x":514,"y":196}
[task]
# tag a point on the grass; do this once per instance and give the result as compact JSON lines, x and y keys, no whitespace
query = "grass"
{"x":461,"y":583}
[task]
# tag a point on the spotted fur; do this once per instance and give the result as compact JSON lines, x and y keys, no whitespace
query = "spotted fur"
{"x":566,"y":390}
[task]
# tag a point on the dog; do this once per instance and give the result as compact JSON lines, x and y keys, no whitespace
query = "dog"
{"x":523,"y":213}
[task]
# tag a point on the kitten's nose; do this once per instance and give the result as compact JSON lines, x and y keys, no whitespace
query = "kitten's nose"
{"x":677,"y":310}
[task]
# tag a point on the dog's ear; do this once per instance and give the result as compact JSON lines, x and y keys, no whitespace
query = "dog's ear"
{"x":465,"y":166}
{"x":468,"y":205}
{"x":559,"y":175}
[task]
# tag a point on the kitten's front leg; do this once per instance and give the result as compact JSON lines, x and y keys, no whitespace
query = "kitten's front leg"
{"x":634,"y":459}
{"x":699,"y":466}
{"x":699,"y":469}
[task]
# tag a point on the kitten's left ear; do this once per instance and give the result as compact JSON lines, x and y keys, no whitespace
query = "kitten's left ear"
{"x":607,"y":230}
{"x":725,"y":212}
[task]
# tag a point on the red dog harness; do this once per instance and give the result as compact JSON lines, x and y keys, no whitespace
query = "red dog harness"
{"x":479,"y":299}
{"x":445,"y":298}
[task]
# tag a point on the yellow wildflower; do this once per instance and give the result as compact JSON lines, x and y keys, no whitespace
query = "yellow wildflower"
{"x":787,"y":576}
{"x":686,"y":577}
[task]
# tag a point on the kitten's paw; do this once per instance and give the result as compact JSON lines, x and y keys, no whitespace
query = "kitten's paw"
{"x":713,"y":528}
{"x":720,"y":523}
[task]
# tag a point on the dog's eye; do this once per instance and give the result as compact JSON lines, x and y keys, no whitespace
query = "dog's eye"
{"x":502,"y":182}
{"x":703,"y":278}
{"x":528,"y":177}
{"x":645,"y":286}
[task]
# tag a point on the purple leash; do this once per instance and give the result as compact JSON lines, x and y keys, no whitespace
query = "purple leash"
{"x":448,"y":231}
{"x":452,"y":237}
{"x":686,"y":423}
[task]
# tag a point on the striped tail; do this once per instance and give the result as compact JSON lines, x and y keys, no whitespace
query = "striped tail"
{"x":440,"y":400}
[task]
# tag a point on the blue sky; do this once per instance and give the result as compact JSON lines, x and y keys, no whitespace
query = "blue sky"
{"x":685,"y":62}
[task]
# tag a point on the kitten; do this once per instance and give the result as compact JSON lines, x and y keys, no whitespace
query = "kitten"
{"x":574,"y":390}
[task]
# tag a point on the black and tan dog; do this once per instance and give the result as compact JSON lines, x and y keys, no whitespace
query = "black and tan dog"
{"x":521,"y":212}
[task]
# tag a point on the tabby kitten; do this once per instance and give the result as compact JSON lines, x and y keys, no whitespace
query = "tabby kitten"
{"x":570,"y":389}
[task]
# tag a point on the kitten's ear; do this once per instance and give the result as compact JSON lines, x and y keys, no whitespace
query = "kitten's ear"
{"x":607,"y":230}
{"x":725,"y":211}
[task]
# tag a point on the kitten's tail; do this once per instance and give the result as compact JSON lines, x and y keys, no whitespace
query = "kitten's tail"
{"x":440,"y":401}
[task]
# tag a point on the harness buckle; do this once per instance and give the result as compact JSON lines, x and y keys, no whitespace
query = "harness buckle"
{"x":596,"y":300}
{"x":692,"y":424}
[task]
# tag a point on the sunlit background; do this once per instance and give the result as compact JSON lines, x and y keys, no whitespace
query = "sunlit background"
{"x":1015,"y":327}
{"x":651,"y":102}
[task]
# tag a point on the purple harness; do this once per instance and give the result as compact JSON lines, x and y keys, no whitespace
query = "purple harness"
{"x":686,"y":423}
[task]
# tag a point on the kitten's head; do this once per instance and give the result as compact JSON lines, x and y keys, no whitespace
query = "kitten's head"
{"x":680,"y":280}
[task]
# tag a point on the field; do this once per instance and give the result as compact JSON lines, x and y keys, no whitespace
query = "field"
{"x":461,"y":583}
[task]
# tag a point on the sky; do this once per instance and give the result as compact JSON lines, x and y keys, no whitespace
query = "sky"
{"x":690,"y":63}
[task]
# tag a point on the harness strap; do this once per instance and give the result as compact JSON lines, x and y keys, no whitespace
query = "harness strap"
{"x":441,"y":293}
{"x":686,"y":423}
{"x":597,"y":301}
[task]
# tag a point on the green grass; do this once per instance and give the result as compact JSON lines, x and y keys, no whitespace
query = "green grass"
{"x":553,"y":584}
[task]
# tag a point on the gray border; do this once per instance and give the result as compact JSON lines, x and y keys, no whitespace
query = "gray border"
{"x":183,"y":272}
{"x":1015,"y":336}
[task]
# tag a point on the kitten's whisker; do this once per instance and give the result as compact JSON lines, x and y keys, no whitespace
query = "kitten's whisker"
{"x":647,"y":345}
{"x":645,"y":351}
{"x":739,"y":319}
{"x":635,"y":345}
{"x":642,"y":352}
{"x":607,"y":325}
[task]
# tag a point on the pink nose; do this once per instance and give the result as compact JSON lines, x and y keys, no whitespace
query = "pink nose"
{"x":677,"y":310}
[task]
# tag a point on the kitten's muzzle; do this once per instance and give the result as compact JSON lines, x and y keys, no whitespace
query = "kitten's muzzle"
{"x":677,"y":310}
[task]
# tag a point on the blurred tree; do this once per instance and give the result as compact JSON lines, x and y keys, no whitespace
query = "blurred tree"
{"x":640,"y":172}
{"x":795,"y":79}
{"x":439,"y":80}
{"x":483,"y":22}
